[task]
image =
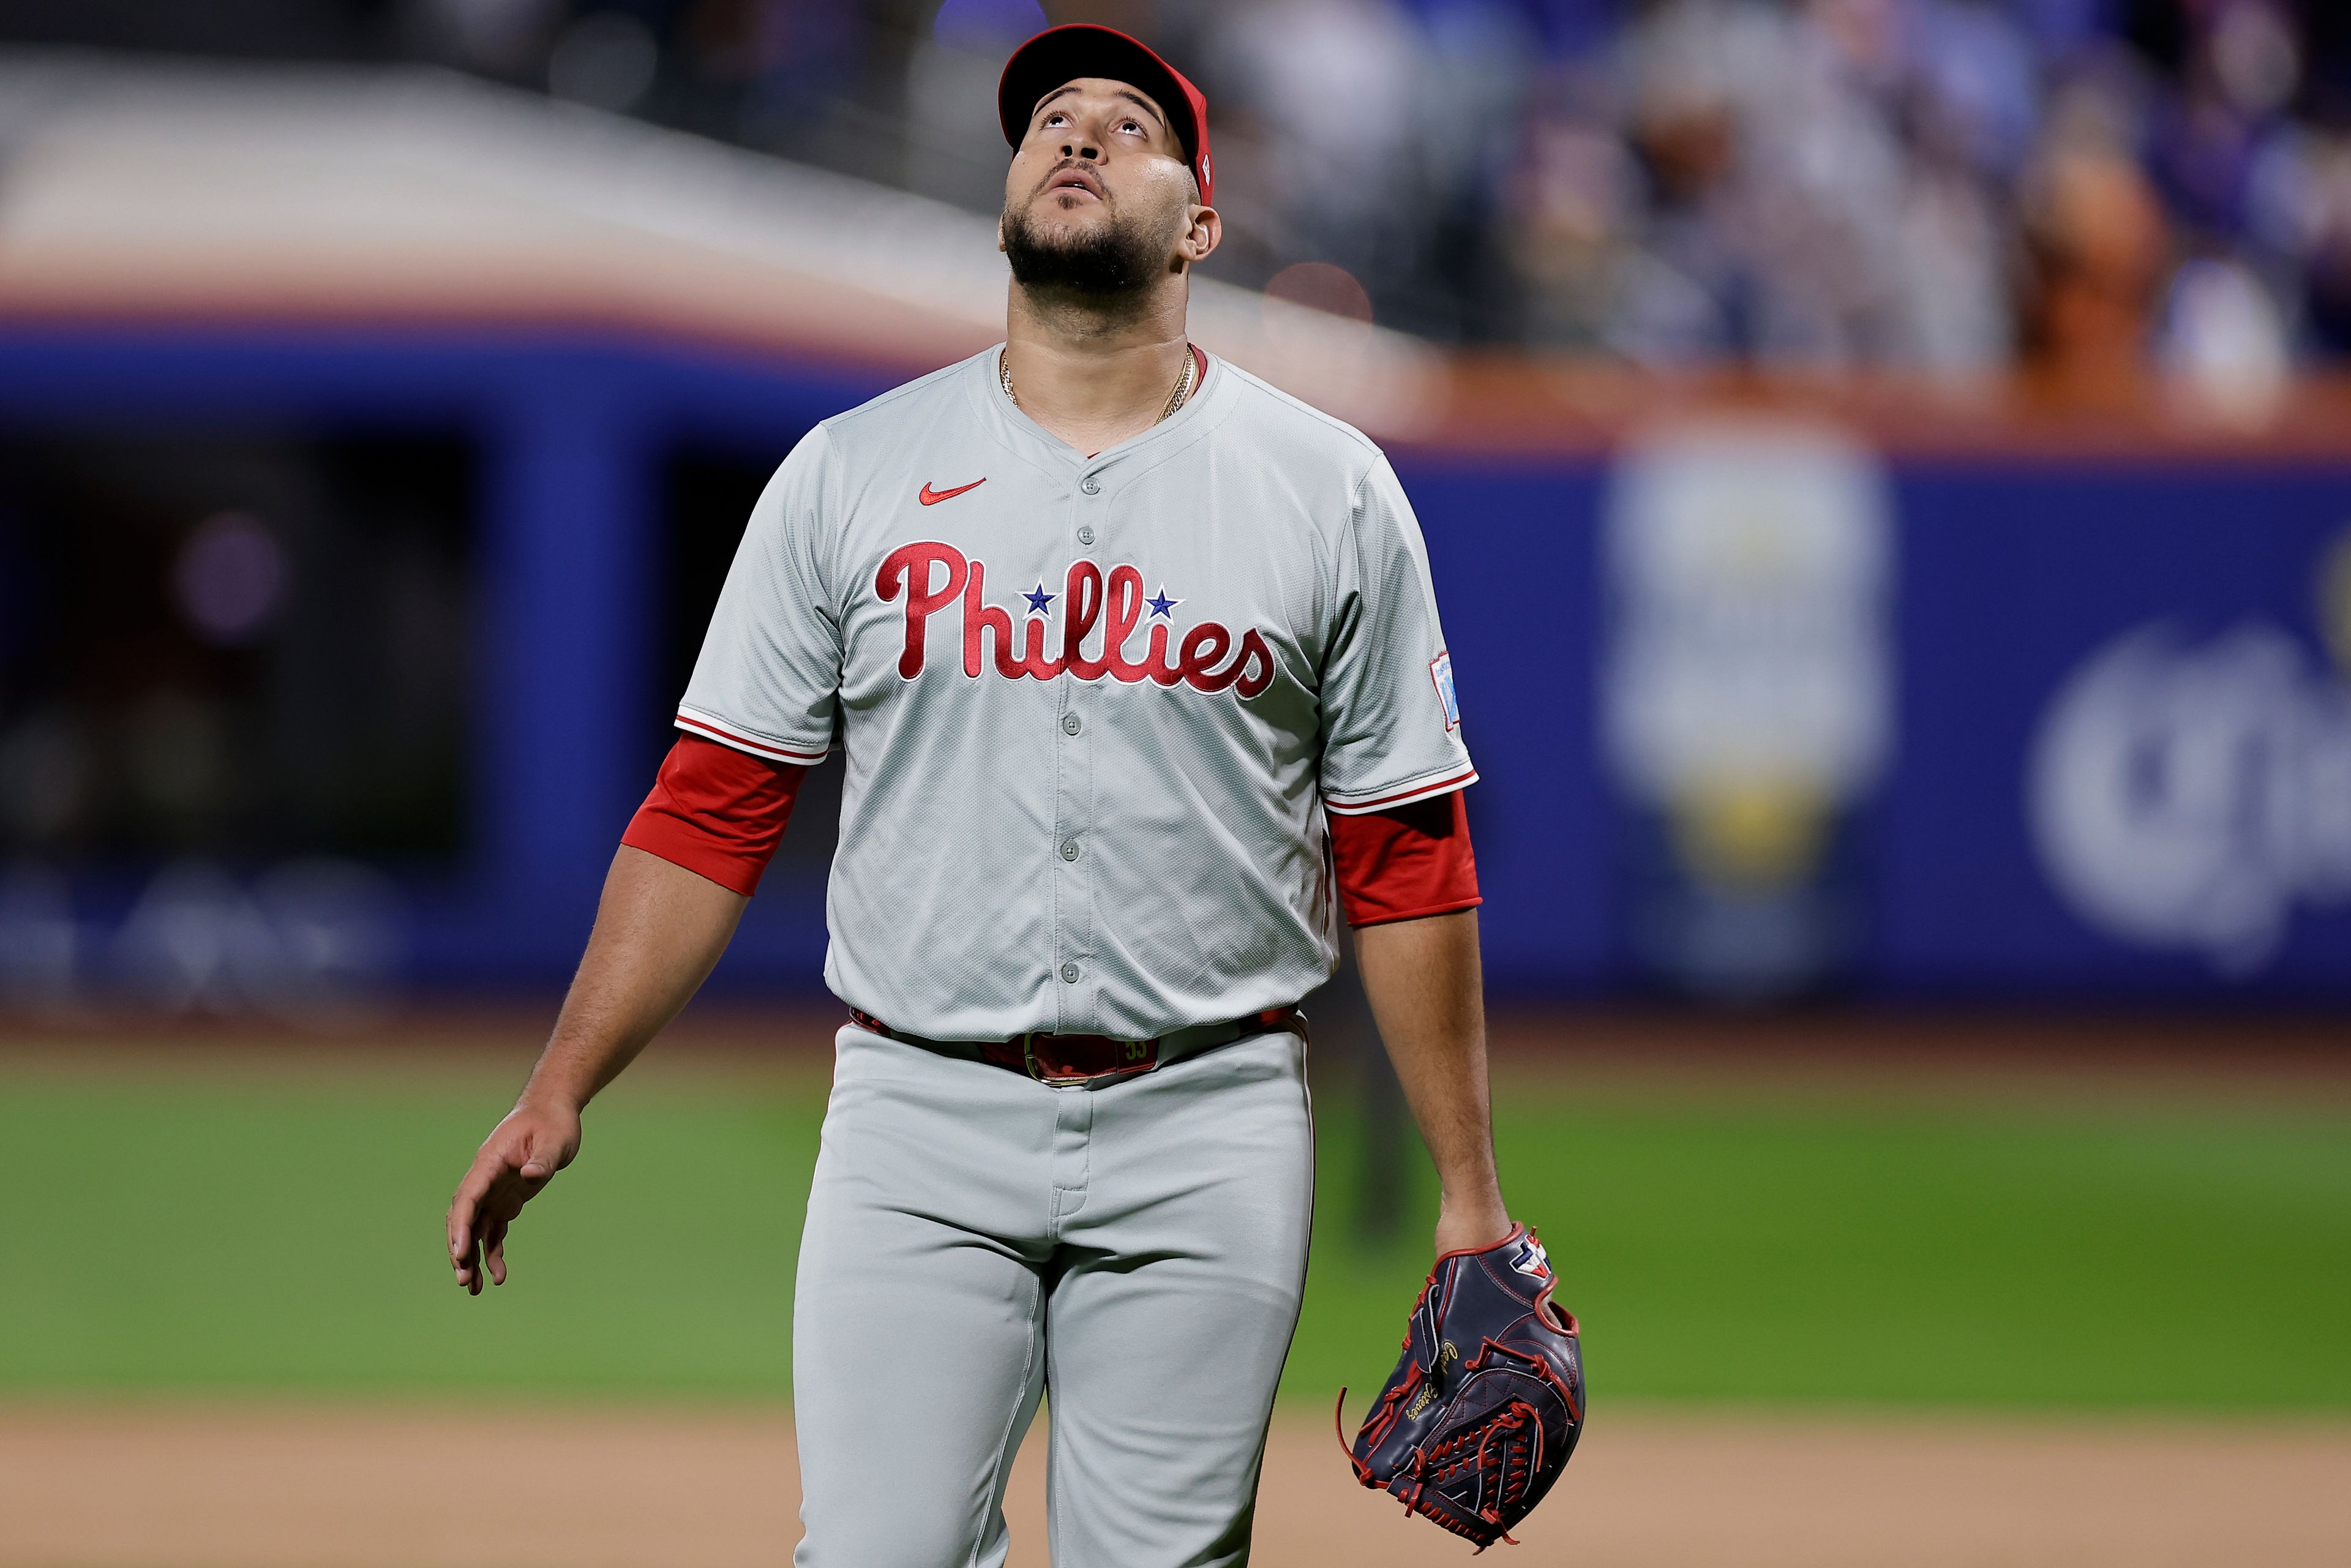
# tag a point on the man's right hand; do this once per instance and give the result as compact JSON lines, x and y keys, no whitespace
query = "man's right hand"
{"x":516,"y":1161}
{"x":659,"y":929}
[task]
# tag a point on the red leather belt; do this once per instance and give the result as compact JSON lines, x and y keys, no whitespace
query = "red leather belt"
{"x":1069,"y":1060}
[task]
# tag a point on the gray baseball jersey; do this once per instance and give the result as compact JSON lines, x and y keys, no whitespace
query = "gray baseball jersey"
{"x":1094,"y":707}
{"x":1094,"y":710}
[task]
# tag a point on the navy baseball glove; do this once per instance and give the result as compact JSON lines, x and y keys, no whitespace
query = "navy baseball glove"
{"x":1487,"y":1400}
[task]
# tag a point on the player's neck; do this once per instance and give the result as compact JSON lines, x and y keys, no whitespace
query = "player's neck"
{"x":1096,"y":377}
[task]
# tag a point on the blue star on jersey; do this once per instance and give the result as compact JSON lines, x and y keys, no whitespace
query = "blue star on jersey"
{"x":1040,"y":599}
{"x":1162,"y":604}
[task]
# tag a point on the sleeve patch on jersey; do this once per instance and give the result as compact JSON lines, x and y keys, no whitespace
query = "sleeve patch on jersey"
{"x":1440,"y":671}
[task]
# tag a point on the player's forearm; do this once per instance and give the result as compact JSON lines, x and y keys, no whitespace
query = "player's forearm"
{"x":659,"y":931}
{"x":1427,"y":993}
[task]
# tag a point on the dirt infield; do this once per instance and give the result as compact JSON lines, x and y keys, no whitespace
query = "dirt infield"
{"x":599,"y":1488}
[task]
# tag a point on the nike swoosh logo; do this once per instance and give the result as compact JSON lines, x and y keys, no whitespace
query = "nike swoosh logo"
{"x":930,"y":498}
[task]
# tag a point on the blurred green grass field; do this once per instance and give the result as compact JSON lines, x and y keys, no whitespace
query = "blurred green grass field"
{"x":207,"y":1234}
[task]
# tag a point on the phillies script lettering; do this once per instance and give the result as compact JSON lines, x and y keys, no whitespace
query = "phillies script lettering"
{"x":1207,"y":659}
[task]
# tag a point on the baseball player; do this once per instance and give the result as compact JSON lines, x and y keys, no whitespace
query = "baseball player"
{"x":1136,"y":665}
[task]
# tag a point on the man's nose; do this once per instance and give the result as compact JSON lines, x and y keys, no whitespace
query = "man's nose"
{"x":1076,"y":147}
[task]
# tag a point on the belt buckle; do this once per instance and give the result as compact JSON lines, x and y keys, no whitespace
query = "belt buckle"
{"x":1131,"y":1057}
{"x":1038,"y":1070}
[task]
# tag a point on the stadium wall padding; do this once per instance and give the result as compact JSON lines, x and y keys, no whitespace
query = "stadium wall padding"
{"x":2176,"y":614}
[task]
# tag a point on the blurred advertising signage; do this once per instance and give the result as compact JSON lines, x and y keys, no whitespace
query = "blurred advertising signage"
{"x":1747,"y":695}
{"x":2189,"y":795}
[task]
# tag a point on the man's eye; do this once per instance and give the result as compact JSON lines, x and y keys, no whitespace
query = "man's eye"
{"x":1131,"y":125}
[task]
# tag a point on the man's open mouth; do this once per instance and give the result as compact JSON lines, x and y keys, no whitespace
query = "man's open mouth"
{"x":1076,"y":180}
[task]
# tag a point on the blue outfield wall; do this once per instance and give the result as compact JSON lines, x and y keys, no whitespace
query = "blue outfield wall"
{"x":2015,"y":579}
{"x":2173,"y":616}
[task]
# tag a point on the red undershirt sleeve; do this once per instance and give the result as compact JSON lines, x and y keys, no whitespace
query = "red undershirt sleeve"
{"x":1405,"y":862}
{"x":716,"y":811}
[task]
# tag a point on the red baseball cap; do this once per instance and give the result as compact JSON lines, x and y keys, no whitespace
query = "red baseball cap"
{"x":1060,"y":55}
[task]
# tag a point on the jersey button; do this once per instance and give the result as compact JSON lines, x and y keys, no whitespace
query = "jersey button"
{"x":1069,"y":849}
{"x":1090,"y":484}
{"x":1085,"y":536}
{"x":1069,"y":973}
{"x":1071,"y":723}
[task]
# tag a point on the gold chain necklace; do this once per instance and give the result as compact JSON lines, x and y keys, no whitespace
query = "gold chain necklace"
{"x":1175,"y":399}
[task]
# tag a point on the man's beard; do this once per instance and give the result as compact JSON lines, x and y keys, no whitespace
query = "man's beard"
{"x":1111,"y":261}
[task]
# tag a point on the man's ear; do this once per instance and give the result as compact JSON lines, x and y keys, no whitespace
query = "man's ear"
{"x":1200,"y":240}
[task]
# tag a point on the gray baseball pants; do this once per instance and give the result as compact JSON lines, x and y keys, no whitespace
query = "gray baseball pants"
{"x":976,"y":1238}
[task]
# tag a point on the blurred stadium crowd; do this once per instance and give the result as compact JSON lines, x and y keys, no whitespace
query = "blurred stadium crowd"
{"x":1953,"y":187}
{"x":337,"y":655}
